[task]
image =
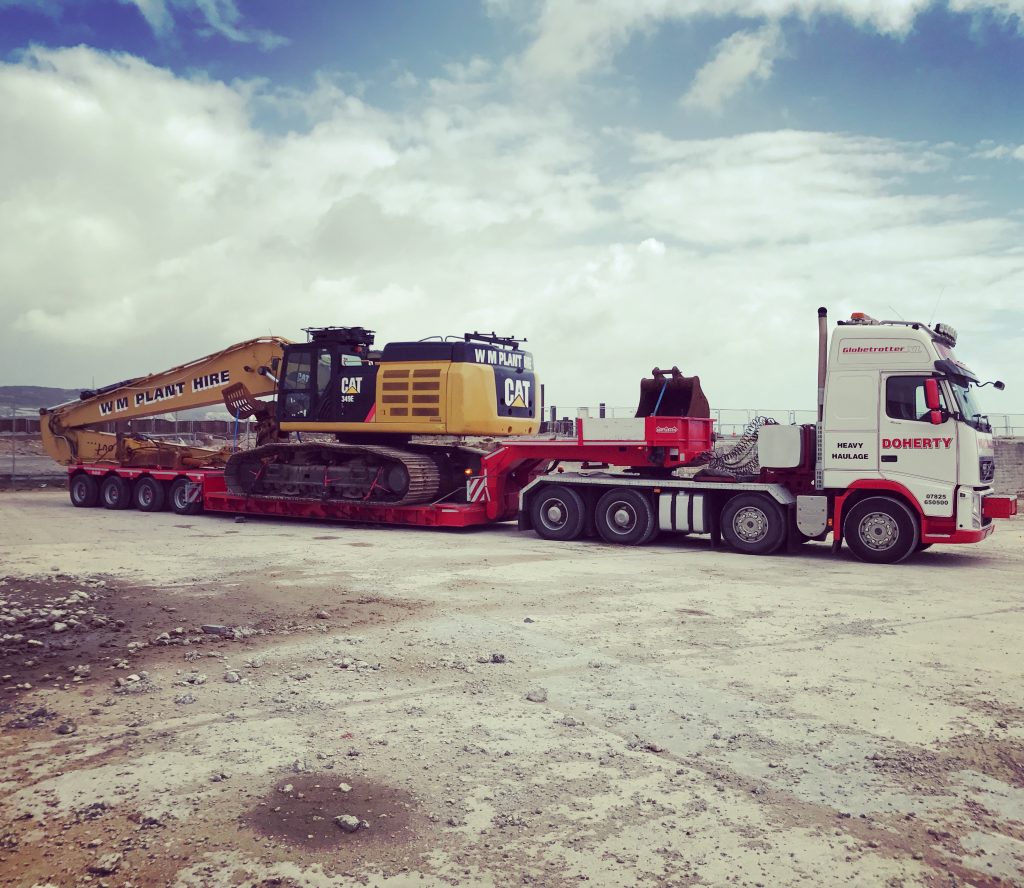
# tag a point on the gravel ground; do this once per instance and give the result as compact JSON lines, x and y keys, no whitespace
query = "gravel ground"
{"x":205,"y":702}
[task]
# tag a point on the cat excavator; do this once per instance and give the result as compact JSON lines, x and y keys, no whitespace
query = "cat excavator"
{"x":378,"y":423}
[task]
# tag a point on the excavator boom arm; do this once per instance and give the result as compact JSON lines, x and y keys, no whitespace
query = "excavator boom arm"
{"x":67,"y":429}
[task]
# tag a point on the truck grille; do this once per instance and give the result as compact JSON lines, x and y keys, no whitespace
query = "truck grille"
{"x":987,"y":468}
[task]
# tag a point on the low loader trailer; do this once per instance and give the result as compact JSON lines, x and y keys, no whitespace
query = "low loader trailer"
{"x":900,"y":459}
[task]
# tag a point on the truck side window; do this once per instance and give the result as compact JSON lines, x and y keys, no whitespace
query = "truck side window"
{"x":904,"y":398}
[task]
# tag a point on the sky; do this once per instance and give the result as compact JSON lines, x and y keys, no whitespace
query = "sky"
{"x":624,"y":183}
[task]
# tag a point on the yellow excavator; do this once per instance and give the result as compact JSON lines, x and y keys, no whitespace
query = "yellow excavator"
{"x":380,"y":408}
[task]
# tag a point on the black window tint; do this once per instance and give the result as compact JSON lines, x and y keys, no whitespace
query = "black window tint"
{"x":296,"y":405}
{"x":904,"y":398}
{"x":297,"y":373}
{"x":323,"y":371}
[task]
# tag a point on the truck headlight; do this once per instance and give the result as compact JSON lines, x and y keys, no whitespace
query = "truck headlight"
{"x":976,"y":511}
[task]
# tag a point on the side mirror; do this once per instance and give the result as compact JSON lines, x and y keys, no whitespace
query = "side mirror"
{"x":931,"y":395}
{"x":935,"y":417}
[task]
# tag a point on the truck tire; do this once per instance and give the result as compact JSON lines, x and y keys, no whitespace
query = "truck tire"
{"x":626,"y":517}
{"x":881,"y":530}
{"x":84,"y":491}
{"x":115,"y":492}
{"x":179,"y":498}
{"x":753,"y":523}
{"x":149,"y":495}
{"x":558,"y":513}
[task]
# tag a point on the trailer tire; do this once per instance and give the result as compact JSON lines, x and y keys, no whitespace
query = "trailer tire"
{"x":625,"y":517}
{"x":149,"y":495}
{"x":881,"y":530}
{"x":84,"y":491}
{"x":180,"y":504}
{"x":558,"y":513}
{"x":754,"y":524}
{"x":115,"y":492}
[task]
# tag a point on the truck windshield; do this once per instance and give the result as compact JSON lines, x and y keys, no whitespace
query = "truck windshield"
{"x":967,"y":403}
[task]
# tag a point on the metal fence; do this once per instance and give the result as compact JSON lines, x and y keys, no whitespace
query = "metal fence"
{"x":223,"y":428}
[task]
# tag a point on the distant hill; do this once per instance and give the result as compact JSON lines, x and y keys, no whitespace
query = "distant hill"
{"x":27,"y":399}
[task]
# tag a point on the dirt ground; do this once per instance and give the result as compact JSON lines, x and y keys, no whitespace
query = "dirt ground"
{"x":194,"y":701}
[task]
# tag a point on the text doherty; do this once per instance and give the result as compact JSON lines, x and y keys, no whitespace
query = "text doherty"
{"x":916,"y":443}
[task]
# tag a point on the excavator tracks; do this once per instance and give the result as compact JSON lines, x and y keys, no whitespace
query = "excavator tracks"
{"x":345,"y":472}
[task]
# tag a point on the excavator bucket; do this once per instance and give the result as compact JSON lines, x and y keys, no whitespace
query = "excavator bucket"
{"x":239,"y":400}
{"x":670,"y":393}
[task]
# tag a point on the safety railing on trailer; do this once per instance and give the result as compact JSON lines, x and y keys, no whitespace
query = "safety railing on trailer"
{"x":730,"y":422}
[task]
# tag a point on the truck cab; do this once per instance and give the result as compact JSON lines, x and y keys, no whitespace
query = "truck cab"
{"x":901,"y":419}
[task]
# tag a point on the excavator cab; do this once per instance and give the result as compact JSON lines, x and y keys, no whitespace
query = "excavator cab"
{"x":329,"y":378}
{"x":670,"y":393}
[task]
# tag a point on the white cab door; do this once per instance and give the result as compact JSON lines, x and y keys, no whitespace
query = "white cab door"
{"x":911,"y":450}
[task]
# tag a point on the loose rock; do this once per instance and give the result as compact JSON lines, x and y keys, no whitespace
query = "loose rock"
{"x":106,"y":865}
{"x":350,"y":824}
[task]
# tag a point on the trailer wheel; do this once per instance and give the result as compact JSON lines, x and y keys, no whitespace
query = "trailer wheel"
{"x":626,"y":517}
{"x":115,"y":492}
{"x":179,"y":495}
{"x":149,"y":495}
{"x":754,"y":524}
{"x":558,"y":513}
{"x":881,"y":530}
{"x":84,"y":491}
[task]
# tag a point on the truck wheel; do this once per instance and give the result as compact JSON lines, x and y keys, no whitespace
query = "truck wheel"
{"x":180,"y":504}
{"x":115,"y":492}
{"x":881,"y":530}
{"x":84,"y":490}
{"x":558,"y":513}
{"x":626,"y":517}
{"x":149,"y":495}
{"x":754,"y":524}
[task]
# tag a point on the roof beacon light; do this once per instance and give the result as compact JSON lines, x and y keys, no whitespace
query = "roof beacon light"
{"x":946,"y":332}
{"x":862,"y":317}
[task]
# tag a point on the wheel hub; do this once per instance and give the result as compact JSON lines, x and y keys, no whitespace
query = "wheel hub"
{"x":623,"y":518}
{"x":750,"y":524}
{"x":554,"y":513}
{"x":879,"y":531}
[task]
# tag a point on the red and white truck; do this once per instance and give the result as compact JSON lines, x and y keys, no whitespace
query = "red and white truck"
{"x":900,"y":458}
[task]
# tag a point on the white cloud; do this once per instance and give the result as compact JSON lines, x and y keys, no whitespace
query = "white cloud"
{"x":576,"y":36}
{"x":221,"y":17}
{"x":147,"y":221}
{"x":740,"y":58}
{"x":989,"y":151}
{"x":1003,"y":9}
{"x":156,"y":14}
{"x":573,"y":37}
